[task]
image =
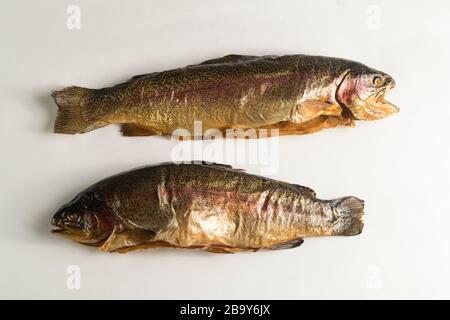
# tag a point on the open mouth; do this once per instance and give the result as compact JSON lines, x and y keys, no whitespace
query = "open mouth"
{"x":67,"y":231}
{"x":376,"y":107}
{"x":59,"y":227}
{"x":77,"y":235}
{"x":380,"y":95}
{"x":58,"y":231}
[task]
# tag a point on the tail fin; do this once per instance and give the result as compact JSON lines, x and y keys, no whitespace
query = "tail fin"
{"x":350,"y":210}
{"x":70,"y":118}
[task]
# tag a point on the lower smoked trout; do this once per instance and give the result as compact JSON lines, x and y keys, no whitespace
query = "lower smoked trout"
{"x":205,"y":206}
{"x":294,"y":94}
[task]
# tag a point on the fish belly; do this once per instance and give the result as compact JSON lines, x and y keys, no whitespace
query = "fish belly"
{"x":229,"y":219}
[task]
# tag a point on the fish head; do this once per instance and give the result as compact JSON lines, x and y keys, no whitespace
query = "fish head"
{"x":363,"y":93}
{"x":85,"y":219}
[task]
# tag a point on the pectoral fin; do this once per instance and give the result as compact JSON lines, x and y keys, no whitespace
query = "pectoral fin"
{"x":129,"y":238}
{"x":332,"y":110}
{"x":146,"y":245}
{"x":310,"y":126}
{"x":311,"y":109}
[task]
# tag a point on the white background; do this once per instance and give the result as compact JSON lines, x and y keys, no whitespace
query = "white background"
{"x":399,"y":165}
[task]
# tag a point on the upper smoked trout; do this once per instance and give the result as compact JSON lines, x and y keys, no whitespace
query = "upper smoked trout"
{"x":294,"y":94}
{"x":202,"y":205}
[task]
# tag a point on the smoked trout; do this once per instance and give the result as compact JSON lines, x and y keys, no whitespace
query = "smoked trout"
{"x":294,"y":94}
{"x":205,"y":206}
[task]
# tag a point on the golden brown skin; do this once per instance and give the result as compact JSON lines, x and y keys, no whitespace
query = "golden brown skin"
{"x":201,"y":205}
{"x":233,"y":92}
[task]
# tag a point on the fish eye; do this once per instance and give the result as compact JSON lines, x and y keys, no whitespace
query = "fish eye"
{"x":377,"y":81}
{"x":72,"y":216}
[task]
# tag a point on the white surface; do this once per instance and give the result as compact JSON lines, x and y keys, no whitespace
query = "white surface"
{"x":399,"y":166}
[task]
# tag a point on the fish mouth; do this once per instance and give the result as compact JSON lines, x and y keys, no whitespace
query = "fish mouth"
{"x":58,"y":231}
{"x":66,"y":234}
{"x":376,"y":106}
{"x":60,"y":228}
{"x":77,"y":235}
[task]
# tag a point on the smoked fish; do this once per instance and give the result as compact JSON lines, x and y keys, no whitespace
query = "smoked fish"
{"x":204,"y":206}
{"x":294,"y":94}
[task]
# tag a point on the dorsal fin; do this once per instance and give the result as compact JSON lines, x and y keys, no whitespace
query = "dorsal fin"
{"x":231,"y":58}
{"x":304,"y":189}
{"x":142,"y":76}
{"x":197,"y":162}
{"x":215,"y":165}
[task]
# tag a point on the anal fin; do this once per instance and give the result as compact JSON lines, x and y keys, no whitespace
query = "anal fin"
{"x":133,"y":130}
{"x":288,"y":244}
{"x":219,"y":248}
